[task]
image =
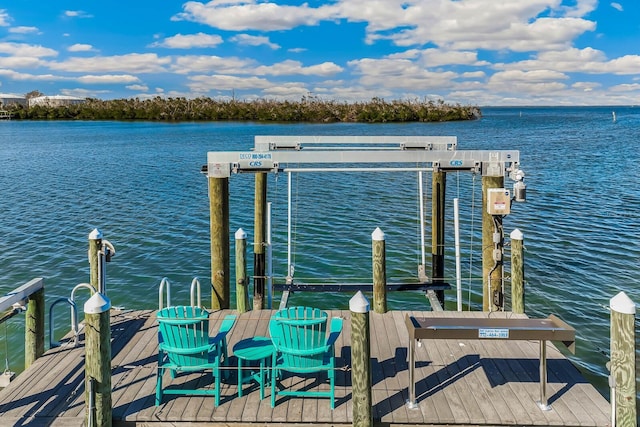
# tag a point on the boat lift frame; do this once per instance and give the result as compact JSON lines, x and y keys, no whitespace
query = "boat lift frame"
{"x":317,"y":154}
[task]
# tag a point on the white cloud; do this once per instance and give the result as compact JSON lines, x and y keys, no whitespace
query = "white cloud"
{"x":83,"y":93}
{"x":77,"y":14}
{"x":520,"y":26}
{"x":23,"y":30}
{"x":586,"y":60}
{"x":249,"y":15}
{"x":139,"y":88}
{"x":204,"y":84}
{"x":586,"y":86}
{"x":20,"y":62}
{"x":4,"y":18}
{"x":211,"y":64}
{"x":80,"y":47}
{"x":108,"y":79}
{"x":634,"y":87}
{"x":188,"y":41}
{"x":617,"y":6}
{"x":400,"y":74}
{"x":23,"y":49}
{"x":297,"y":50}
{"x":131,"y":63}
{"x":248,"y":40}
{"x":438,"y":57}
{"x":528,"y":82}
{"x":14,"y":75}
{"x":474,"y":75}
{"x":292,"y":91}
{"x":581,"y":8}
{"x":290,"y":67}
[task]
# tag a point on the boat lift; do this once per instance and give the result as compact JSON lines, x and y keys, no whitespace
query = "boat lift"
{"x":317,"y":154}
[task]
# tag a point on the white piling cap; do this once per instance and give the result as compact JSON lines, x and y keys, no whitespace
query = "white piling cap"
{"x":622,"y":304}
{"x":97,"y":304}
{"x":95,"y":234}
{"x":377,"y":234}
{"x":516,"y":235}
{"x":241,"y":234}
{"x":359,"y":303}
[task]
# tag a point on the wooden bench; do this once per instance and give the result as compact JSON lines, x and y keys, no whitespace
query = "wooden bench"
{"x":543,"y":330}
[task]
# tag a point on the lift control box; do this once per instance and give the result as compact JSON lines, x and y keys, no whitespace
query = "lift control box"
{"x":498,"y":201}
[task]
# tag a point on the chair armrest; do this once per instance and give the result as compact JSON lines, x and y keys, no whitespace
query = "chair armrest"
{"x":334,"y":330}
{"x":226,"y":325}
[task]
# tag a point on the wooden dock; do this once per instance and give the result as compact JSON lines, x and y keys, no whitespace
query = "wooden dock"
{"x":472,"y":382}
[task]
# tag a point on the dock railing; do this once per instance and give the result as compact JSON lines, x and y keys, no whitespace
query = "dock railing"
{"x":29,"y":297}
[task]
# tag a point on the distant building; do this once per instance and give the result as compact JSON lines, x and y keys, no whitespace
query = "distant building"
{"x":8,"y":99}
{"x":55,"y":101}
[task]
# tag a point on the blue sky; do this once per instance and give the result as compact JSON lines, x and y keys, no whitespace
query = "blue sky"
{"x":478,"y":52}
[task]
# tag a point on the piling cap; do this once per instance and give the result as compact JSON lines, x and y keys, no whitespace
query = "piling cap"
{"x":622,"y":304}
{"x":516,"y":235}
{"x":241,"y":234}
{"x":377,"y":234}
{"x":97,"y":304}
{"x":95,"y":234}
{"x":359,"y":303}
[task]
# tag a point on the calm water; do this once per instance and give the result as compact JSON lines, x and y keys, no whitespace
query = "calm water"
{"x":140,"y":184}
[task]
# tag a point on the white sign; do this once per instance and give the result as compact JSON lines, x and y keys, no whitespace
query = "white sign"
{"x":493,"y":333}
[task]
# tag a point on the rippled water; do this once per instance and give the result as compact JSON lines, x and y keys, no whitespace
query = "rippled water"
{"x":140,"y":184}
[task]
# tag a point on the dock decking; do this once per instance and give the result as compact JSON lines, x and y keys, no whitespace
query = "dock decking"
{"x":471,"y":382}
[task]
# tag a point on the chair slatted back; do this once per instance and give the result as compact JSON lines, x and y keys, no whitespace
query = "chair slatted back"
{"x":184,"y":331}
{"x":299,"y":334}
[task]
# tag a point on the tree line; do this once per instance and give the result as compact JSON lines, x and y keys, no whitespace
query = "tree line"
{"x":308,"y":109}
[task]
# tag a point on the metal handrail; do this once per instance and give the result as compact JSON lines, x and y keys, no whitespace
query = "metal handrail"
{"x":163,"y":283}
{"x":74,"y":321}
{"x":195,"y":285}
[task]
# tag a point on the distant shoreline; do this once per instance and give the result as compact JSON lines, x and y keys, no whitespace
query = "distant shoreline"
{"x":309,"y":109}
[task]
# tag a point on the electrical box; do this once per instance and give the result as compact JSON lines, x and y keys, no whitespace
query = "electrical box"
{"x":498,"y":201}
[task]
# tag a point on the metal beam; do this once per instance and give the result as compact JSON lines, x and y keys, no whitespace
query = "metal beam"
{"x":20,"y":294}
{"x":291,"y":142}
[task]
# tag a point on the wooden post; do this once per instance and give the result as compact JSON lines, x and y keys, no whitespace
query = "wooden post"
{"x":438,"y":191}
{"x":517,"y":271}
{"x":361,"y":361}
{"x":34,"y":328}
{"x":490,"y":268}
{"x":242,"y":291}
{"x":259,"y":267}
{"x":95,"y":244}
{"x":97,"y":361}
{"x":219,"y":227}
{"x":379,"y":271}
{"x":623,"y":360}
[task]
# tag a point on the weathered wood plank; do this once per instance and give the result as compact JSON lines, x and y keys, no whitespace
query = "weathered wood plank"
{"x":458,"y":382}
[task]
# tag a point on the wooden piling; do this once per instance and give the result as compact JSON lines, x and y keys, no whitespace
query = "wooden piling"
{"x":379,"y":271}
{"x":34,"y":328}
{"x":219,"y":228}
{"x":491,"y":270}
{"x":259,"y":257}
{"x":95,"y":244}
{"x":438,"y":191}
{"x":98,"y":361}
{"x":623,"y":360}
{"x":517,"y":271}
{"x":242,"y":289}
{"x":362,"y":414}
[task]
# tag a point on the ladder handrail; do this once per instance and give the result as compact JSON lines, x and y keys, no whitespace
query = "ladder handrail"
{"x":164,"y":282}
{"x":195,"y":285}
{"x":76,"y":329}
{"x":74,"y":321}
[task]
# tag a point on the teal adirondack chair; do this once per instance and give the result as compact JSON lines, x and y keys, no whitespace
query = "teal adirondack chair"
{"x":185,"y":346}
{"x":299,"y":335}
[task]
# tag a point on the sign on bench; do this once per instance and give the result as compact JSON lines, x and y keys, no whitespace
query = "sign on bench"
{"x":543,"y":330}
